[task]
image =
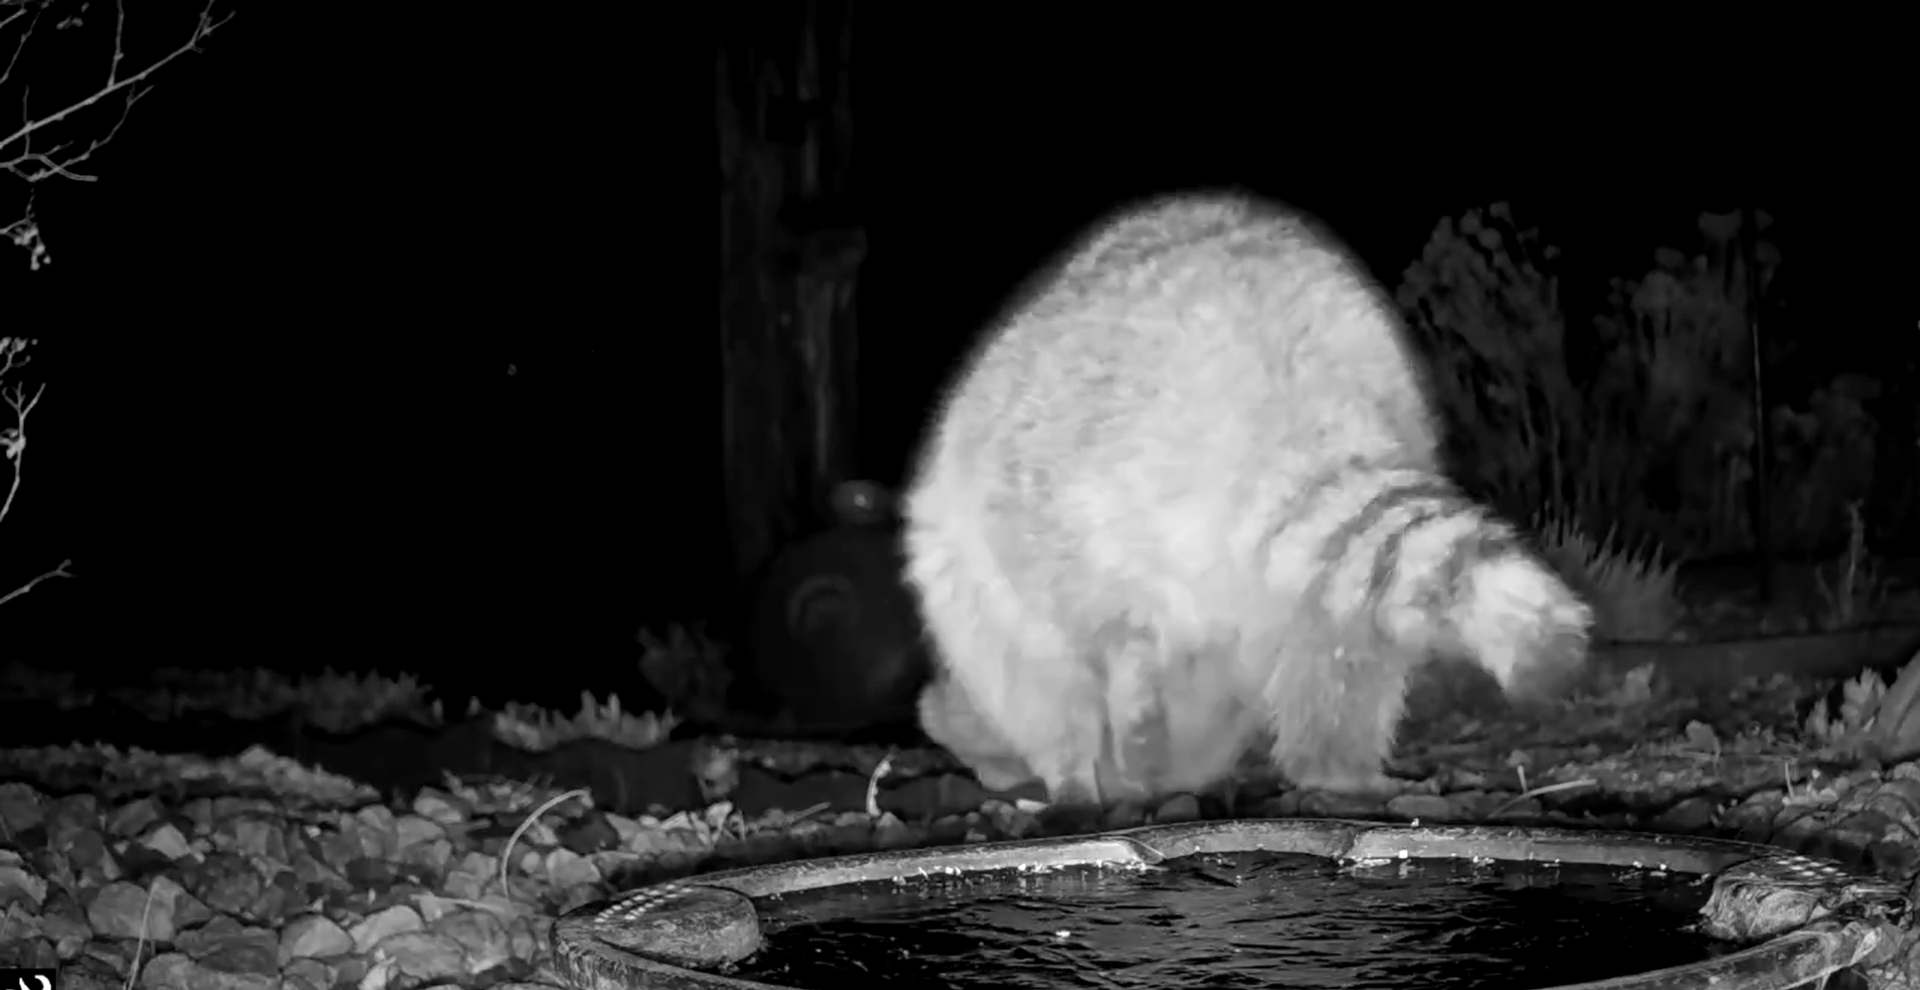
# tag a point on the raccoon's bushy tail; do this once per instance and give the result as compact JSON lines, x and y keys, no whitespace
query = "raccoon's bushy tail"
{"x":1400,"y":554}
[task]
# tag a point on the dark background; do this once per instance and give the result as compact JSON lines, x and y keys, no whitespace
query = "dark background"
{"x":386,"y":340}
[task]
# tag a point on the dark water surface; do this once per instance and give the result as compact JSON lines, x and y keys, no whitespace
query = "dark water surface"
{"x":1239,"y":920}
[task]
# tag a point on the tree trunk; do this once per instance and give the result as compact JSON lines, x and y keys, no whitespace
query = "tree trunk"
{"x":789,"y":260}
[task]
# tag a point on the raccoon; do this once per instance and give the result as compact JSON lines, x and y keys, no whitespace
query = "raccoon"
{"x":1187,"y":494}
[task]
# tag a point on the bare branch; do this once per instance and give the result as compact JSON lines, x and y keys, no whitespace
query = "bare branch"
{"x":34,"y":166}
{"x":60,"y":571}
{"x":24,"y":35}
{"x":13,"y":441}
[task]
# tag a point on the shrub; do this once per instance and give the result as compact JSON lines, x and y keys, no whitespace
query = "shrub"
{"x":1633,"y":589}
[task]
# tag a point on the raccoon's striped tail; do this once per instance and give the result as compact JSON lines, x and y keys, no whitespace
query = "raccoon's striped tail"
{"x":1433,"y":572}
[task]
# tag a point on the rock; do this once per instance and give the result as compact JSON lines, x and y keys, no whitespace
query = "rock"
{"x":126,"y":911}
{"x":1422,"y":808}
{"x":1333,"y":804}
{"x":1690,"y":815}
{"x":379,"y":927}
{"x":227,"y":947}
{"x":313,"y":936}
{"x":21,"y":808}
{"x":1283,"y":805}
{"x":425,"y":957}
{"x":1179,"y":808}
{"x":685,"y":925}
{"x":937,"y":795}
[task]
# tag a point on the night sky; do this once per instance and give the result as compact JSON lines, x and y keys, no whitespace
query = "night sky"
{"x":279,"y":427}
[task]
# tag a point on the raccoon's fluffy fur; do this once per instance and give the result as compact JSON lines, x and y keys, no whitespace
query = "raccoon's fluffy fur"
{"x":1188,"y":492}
{"x":948,"y":715}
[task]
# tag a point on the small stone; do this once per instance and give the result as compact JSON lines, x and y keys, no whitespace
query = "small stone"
{"x":313,"y":936}
{"x":308,"y":974}
{"x":79,"y":811}
{"x":1125,"y":814}
{"x":123,"y":910}
{"x":21,"y":808}
{"x":133,"y":817}
{"x":1334,"y":804}
{"x":166,"y":840}
{"x":379,"y":927}
{"x":950,"y":828}
{"x":1179,"y":808}
{"x":227,"y":807}
{"x":378,"y":832}
{"x":1899,"y":799}
{"x":1284,"y":805}
{"x":1516,"y":809}
{"x":481,"y":935}
{"x":414,"y":830}
{"x":226,"y":947}
{"x":1422,"y":808}
{"x":425,"y":956}
{"x":1473,"y":804}
{"x":566,"y":868}
{"x":892,"y":833}
{"x":227,"y":882}
{"x":18,"y":885}
{"x":251,"y":835}
{"x":438,"y":806}
{"x":1691,"y":815}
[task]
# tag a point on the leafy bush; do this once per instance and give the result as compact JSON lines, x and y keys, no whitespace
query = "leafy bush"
{"x":1639,"y":421}
{"x":1633,"y":590}
{"x":1606,"y":426}
{"x":689,"y":669}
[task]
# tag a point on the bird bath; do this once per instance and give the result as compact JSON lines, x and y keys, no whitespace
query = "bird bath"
{"x":1278,"y":903}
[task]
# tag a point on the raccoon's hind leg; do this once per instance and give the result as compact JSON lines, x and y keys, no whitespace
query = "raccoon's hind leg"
{"x":1335,"y":707}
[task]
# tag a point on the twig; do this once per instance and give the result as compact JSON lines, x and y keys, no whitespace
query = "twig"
{"x":526,"y":823}
{"x":33,"y":166}
{"x":60,"y":571}
{"x":13,"y":443}
{"x":873,"y":784}
{"x":133,"y":968}
{"x":1549,"y":789}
